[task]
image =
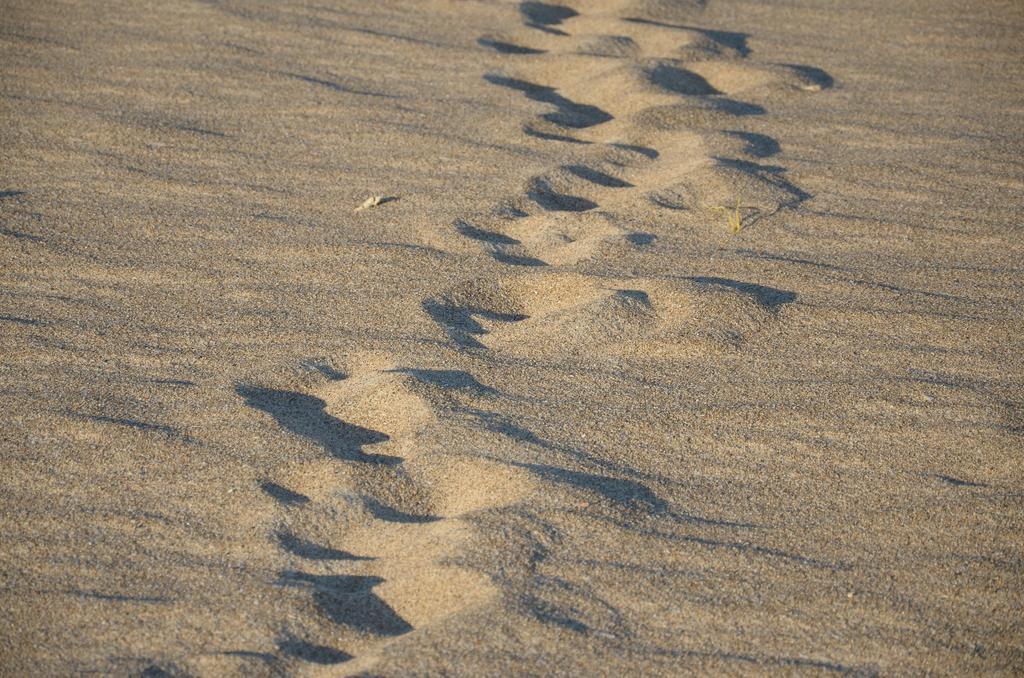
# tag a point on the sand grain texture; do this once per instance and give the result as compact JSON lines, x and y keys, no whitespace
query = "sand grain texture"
{"x":536,"y":410}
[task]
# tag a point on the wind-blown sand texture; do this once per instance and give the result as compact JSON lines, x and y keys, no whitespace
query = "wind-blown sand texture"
{"x":539,"y":411}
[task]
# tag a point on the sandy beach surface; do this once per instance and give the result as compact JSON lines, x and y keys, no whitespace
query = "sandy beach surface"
{"x":481,"y":337}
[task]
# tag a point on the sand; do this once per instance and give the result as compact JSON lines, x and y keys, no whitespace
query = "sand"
{"x":539,"y":409}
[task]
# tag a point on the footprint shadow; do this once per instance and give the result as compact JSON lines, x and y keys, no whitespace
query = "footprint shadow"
{"x":569,"y":114}
{"x":756,"y":145}
{"x":542,"y":193}
{"x":771,"y":174}
{"x":689,"y":84}
{"x":305,"y":415}
{"x":596,"y":176}
{"x":627,"y":493}
{"x":283,"y":495}
{"x":680,"y":81}
{"x":349,"y":600}
{"x":769,"y":297}
{"x":957,"y":482}
{"x":507,"y":47}
{"x":311,"y":551}
{"x":544,"y":16}
{"x":814,"y":75}
{"x":323,"y":367}
{"x":496,"y":242}
{"x":490,"y":237}
{"x":734,"y":107}
{"x":388,"y":514}
{"x":517,"y":259}
{"x":731,"y":39}
{"x":641,"y":239}
{"x":460,"y":322}
{"x":532,"y":131}
{"x":449,"y":380}
{"x":310,"y":652}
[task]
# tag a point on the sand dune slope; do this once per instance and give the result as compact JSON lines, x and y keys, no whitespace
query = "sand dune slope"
{"x":683,"y":337}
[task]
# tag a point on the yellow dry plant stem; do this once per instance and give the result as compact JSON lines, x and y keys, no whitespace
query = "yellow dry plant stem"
{"x":733,"y":217}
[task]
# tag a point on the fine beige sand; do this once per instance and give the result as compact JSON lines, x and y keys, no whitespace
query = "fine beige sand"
{"x":542,"y":410}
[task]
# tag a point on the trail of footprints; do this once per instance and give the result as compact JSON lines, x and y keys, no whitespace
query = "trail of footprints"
{"x":644,"y":107}
{"x":390,"y":497}
{"x":649,"y":108}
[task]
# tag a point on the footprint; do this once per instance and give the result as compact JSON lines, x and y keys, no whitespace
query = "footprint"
{"x":663,"y":11}
{"x":537,"y":132}
{"x":304,"y":415}
{"x":501,"y":247}
{"x":517,"y":259}
{"x":698,"y":42}
{"x":671,"y":92}
{"x":609,"y":46}
{"x":447,"y":380}
{"x":655,"y":83}
{"x":530,"y":307}
{"x":679,"y":80}
{"x":595,"y":317}
{"x":472,"y":484}
{"x":568,"y":114}
{"x":507,"y":47}
{"x":323,"y":368}
{"x":381,"y":511}
{"x":311,"y":652}
{"x":541,"y":192}
{"x":579,"y":314}
{"x":641,"y":239}
{"x":462,"y":322}
{"x":310,"y":551}
{"x":349,"y":600}
{"x":544,"y":16}
{"x":566,"y":238}
{"x":645,"y":151}
{"x":736,"y":77}
{"x":596,"y":176}
{"x":470,"y":231}
{"x":283,"y":495}
{"x":628,"y":493}
{"x":400,"y":520}
{"x":762,"y":189}
{"x":756,"y":145}
{"x":731,"y":312}
{"x":768,"y":297}
{"x":639,"y":38}
{"x":811,"y":78}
